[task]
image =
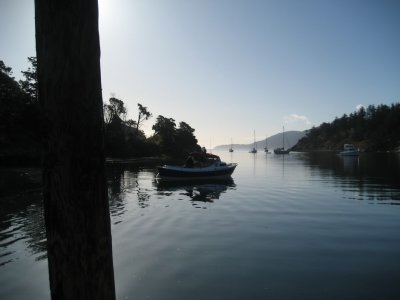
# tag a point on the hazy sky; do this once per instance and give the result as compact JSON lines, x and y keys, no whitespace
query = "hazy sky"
{"x":230,"y":67}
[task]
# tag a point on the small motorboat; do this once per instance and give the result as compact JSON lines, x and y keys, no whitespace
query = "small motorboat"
{"x":349,"y":150}
{"x":198,"y":165}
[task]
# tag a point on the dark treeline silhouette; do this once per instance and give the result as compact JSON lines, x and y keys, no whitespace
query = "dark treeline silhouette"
{"x":174,"y":141}
{"x":20,"y":116}
{"x":124,"y":138}
{"x":22,"y":125}
{"x":376,"y":128}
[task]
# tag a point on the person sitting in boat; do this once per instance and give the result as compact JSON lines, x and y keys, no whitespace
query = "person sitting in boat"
{"x":189,"y":162}
{"x":203,"y":160}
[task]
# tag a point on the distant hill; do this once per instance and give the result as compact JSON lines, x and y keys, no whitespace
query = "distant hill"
{"x":275,"y":141}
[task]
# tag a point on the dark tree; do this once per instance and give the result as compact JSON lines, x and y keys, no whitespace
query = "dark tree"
{"x":75,"y":199}
{"x":115,"y":142}
{"x":114,"y":111}
{"x":19,"y":122}
{"x":29,"y":85}
{"x":176,"y":142}
{"x":165,"y":127}
{"x":130,"y":123}
{"x":165,"y":130}
{"x":185,"y":139}
{"x":5,"y":70}
{"x":143,"y":115}
{"x":10,"y":106}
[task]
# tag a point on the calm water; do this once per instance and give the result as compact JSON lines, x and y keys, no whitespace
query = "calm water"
{"x":295,"y":227}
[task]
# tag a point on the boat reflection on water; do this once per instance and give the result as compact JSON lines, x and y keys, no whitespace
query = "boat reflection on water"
{"x":205,"y":190}
{"x":350,"y":163}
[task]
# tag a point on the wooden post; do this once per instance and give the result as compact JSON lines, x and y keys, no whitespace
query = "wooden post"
{"x":75,"y":197}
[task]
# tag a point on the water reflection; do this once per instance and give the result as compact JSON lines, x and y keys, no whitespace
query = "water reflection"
{"x":22,"y":226}
{"x":350,"y":163}
{"x":371,"y":177}
{"x":127,"y":182}
{"x":205,"y":191}
{"x":130,"y":183}
{"x":379,"y":166}
{"x":21,"y":214}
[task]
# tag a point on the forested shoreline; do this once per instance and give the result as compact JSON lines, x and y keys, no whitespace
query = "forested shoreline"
{"x":23,"y":125}
{"x":372,"y":129}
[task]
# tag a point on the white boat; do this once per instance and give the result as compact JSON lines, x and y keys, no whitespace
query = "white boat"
{"x":254,"y":150}
{"x":349,"y":150}
{"x":199,"y":165}
{"x":282,"y":150}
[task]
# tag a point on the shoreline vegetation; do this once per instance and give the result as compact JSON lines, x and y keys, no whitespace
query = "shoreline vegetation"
{"x":371,"y":129}
{"x":145,"y":161}
{"x":20,"y":179}
{"x":23,"y":126}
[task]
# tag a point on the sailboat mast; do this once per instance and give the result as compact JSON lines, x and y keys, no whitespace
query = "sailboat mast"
{"x":254,"y":139}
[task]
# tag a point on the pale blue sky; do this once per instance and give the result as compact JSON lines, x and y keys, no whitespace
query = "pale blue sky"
{"x":230,"y":67}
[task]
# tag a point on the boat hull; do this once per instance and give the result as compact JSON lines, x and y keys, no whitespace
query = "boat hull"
{"x":192,"y":173}
{"x":281,"y":151}
{"x":350,"y":153}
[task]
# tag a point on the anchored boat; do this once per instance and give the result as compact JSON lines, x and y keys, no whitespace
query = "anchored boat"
{"x":349,"y":150}
{"x":198,"y":165}
{"x":282,"y":150}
